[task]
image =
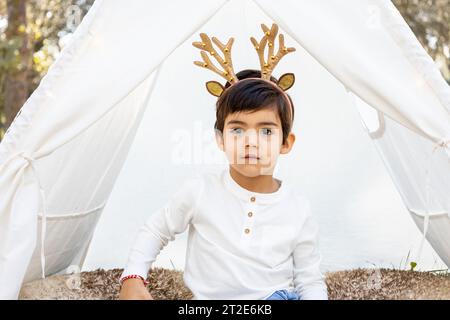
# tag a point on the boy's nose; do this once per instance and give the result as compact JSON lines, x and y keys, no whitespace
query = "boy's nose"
{"x":251,"y":138}
{"x":250,"y":144}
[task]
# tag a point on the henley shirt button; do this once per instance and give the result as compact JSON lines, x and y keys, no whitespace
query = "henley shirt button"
{"x":250,"y":214}
{"x":252,"y":199}
{"x":247,"y":230}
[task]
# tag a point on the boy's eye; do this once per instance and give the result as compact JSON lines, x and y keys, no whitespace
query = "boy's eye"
{"x":266,"y":131}
{"x":236,"y":130}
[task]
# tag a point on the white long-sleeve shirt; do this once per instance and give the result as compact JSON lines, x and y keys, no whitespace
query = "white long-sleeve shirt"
{"x":241,"y":244}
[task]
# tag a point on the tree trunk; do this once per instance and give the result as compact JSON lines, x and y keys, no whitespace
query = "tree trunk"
{"x":17,"y":79}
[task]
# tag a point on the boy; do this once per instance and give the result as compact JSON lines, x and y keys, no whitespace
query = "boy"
{"x":251,"y":236}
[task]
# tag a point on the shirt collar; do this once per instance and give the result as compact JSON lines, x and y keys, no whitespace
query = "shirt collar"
{"x":250,"y":196}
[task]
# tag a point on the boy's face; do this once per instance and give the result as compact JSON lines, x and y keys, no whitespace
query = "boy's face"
{"x":253,"y":141}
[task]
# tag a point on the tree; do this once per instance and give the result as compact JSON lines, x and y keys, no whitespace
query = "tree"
{"x":16,"y":78}
{"x":30,"y":40}
{"x":430,"y":22}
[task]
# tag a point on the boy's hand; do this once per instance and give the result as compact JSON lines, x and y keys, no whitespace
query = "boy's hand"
{"x":134,"y":289}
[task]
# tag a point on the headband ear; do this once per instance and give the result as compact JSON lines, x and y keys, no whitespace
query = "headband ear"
{"x":214,"y":88}
{"x":286,"y":81}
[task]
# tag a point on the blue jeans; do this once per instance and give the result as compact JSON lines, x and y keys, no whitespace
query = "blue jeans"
{"x":284,"y":295}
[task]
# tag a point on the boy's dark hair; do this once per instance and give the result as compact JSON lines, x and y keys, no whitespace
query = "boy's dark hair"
{"x":253,"y":95}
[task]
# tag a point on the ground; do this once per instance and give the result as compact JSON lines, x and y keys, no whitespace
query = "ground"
{"x":365,"y":284}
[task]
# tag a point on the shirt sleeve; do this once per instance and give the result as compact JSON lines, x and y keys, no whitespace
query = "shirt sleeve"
{"x":161,"y":227}
{"x":308,"y":280}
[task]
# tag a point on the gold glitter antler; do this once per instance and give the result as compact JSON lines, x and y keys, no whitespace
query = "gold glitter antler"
{"x":272,"y":60}
{"x":226,"y":63}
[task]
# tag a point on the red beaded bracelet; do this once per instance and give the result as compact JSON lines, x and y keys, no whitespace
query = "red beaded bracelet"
{"x":133,"y":276}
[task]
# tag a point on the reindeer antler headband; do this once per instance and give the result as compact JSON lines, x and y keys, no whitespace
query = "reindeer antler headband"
{"x":285,"y":82}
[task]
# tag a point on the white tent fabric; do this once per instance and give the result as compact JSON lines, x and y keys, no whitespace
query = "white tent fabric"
{"x":61,"y":156}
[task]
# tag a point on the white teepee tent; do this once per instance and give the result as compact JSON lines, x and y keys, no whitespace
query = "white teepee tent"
{"x":61,"y":156}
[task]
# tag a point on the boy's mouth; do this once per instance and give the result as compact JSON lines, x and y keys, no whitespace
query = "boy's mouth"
{"x":251,"y":156}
